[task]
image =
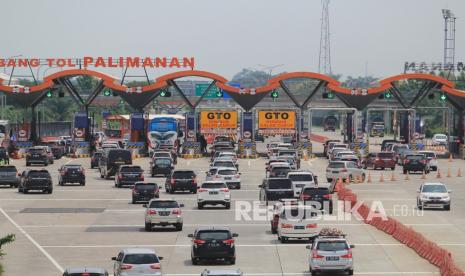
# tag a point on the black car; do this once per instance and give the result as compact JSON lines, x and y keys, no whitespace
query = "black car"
{"x":213,"y":243}
{"x":35,"y":180}
{"x":4,"y":157}
{"x":36,"y":155}
{"x":85,"y":271}
{"x":181,"y":180}
{"x":276,"y":189}
{"x":111,"y":160}
{"x":416,"y":163}
{"x":320,"y":196}
{"x":95,"y":159}
{"x":71,"y":173}
{"x":161,"y":165}
{"x":128,"y":176}
{"x":144,"y":192}
{"x":259,"y":137}
{"x":57,"y":151}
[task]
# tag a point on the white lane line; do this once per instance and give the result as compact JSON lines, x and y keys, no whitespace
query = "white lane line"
{"x":101,"y":199}
{"x":69,"y":161}
{"x":36,"y":244}
{"x":248,"y":163}
{"x":185,"y":224}
{"x":189,"y":245}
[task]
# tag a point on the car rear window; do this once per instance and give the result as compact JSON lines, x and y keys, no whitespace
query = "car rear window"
{"x":332,"y":246}
{"x":227,"y":172}
{"x":131,"y":169}
{"x":119,"y":154}
{"x":162,"y":154}
{"x":146,"y":186}
{"x":184,"y":174}
{"x":385,"y":155}
{"x":213,"y":235}
{"x":274,"y":184}
{"x":164,"y":204}
{"x":300,"y":177}
{"x":223,"y":164}
{"x":164,"y":161}
{"x":336,"y":165}
{"x":85,"y":274}
{"x":315,"y":191}
{"x":35,"y":151}
{"x":415,"y":157}
{"x":39,"y":174}
{"x":140,"y":259}
{"x":8,"y":169}
{"x":214,"y":185}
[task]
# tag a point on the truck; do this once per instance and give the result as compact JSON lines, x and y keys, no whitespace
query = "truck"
{"x":163,"y":133}
{"x":330,"y":123}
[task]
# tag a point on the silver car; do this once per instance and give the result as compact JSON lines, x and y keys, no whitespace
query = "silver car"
{"x":137,"y":261}
{"x":331,"y":254}
{"x":9,"y":176}
{"x":344,"y":170}
{"x":163,"y":212}
{"x":228,"y":175}
{"x":222,"y":272}
{"x":433,"y":195}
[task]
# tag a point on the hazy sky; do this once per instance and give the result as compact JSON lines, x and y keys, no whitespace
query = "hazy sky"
{"x":227,"y":35}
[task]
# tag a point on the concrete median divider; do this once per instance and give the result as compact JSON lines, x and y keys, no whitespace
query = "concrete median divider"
{"x":425,"y":248}
{"x":136,"y":148}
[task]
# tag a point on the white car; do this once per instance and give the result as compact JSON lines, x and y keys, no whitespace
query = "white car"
{"x":336,"y":146}
{"x":439,"y":139}
{"x":433,"y":195}
{"x":223,"y":163}
{"x":226,"y":157}
{"x":300,"y":180}
{"x":432,"y":159}
{"x":213,"y":193}
{"x":163,"y":212}
{"x":344,"y":170}
{"x":137,"y":261}
{"x":228,"y":175}
{"x":330,"y":254}
{"x":297,"y":222}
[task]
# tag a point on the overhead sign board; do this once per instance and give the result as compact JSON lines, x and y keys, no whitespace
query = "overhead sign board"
{"x":218,"y":119}
{"x":200,"y":88}
{"x":276,"y":119}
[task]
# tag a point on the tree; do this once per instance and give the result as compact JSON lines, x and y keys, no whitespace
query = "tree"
{"x":251,"y":78}
{"x":4,"y":241}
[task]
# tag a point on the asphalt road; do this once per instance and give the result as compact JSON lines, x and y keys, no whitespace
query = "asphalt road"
{"x":86,"y":226}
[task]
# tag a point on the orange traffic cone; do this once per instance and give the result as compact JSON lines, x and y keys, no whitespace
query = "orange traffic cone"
{"x":459,"y":173}
{"x":393,"y":177}
{"x":423,"y":176}
{"x":450,"y":157}
{"x":347,"y":181}
{"x":439,"y":174}
{"x":449,"y":173}
{"x":381,"y":178}
{"x":369,"y":177}
{"x":407,"y":176}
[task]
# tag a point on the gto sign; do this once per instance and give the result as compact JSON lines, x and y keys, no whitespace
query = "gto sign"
{"x":276,"y":119}
{"x":214,"y":119}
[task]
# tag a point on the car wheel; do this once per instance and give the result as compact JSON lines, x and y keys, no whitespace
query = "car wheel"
{"x":83,"y":184}
{"x":101,"y":175}
{"x":363,"y":177}
{"x":194,"y":261}
{"x":283,"y":239}
{"x":178,"y":227}
{"x":351,"y":272}
{"x":171,"y":191}
{"x":405,"y":171}
{"x":329,"y":179}
{"x":133,"y":201}
{"x":148,"y":227}
{"x":153,"y":175}
{"x":274,"y":231}
{"x":227,"y":206}
{"x":28,"y":164}
{"x":199,"y":206}
{"x":25,"y":191}
{"x":447,"y":207}
{"x":194,"y":191}
{"x":50,"y":190}
{"x":232,"y":260}
{"x":393,"y":168}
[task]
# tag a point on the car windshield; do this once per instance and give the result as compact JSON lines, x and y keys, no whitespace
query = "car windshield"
{"x":385,"y":155}
{"x":140,"y":259}
{"x":214,"y":235}
{"x":279,"y":184}
{"x":223,"y":164}
{"x":332,"y":246}
{"x":131,"y":169}
{"x":227,"y":172}
{"x":300,"y":177}
{"x":434,"y":189}
{"x":183,"y":174}
{"x":214,"y":185}
{"x":146,"y":186}
{"x":316,"y":191}
{"x":39,"y":174}
{"x":164,"y":204}
{"x":336,"y":165}
{"x":8,"y":169}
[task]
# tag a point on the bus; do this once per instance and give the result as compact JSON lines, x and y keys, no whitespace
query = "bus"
{"x":329,"y":123}
{"x":4,"y":132}
{"x":163,"y":132}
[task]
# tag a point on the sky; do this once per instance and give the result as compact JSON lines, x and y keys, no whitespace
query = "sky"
{"x":225,"y":36}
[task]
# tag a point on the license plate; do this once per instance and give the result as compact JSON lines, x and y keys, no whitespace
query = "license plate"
{"x":164,"y":213}
{"x":227,"y":178}
{"x":299,"y":227}
{"x":213,"y":193}
{"x":213,"y":245}
{"x":35,"y":155}
{"x":335,"y":171}
{"x":332,"y":258}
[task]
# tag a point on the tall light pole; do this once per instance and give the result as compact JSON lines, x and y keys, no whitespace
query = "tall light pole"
{"x":270,"y":68}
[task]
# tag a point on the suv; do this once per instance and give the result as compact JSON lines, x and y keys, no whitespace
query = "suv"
{"x":4,"y":155}
{"x":432,"y":159}
{"x":415,"y":163}
{"x":35,"y":180}
{"x":213,"y":193}
{"x":36,"y":155}
{"x":161,"y":165}
{"x":330,"y":254}
{"x":95,"y":159}
{"x":228,"y":175}
{"x":297,"y":222}
{"x":71,"y":173}
{"x":223,"y":163}
{"x":433,"y":195}
{"x":50,"y":155}
{"x":300,"y":180}
{"x":144,"y":192}
{"x":377,"y":130}
{"x":222,"y":272}
{"x":320,"y":195}
{"x":325,"y":146}
{"x":137,"y":261}
{"x":85,"y":271}
{"x":279,"y":169}
{"x":380,"y":160}
{"x":213,"y":243}
{"x":163,"y":212}
{"x":275,"y":189}
{"x":344,"y":170}
{"x":9,"y":176}
{"x":277,"y":208}
{"x":111,"y":160}
{"x":128,"y":176}
{"x":181,"y":180}
{"x":165,"y":154}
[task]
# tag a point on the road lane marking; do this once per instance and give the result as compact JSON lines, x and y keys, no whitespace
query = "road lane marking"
{"x":189,"y":245}
{"x":36,"y":244}
{"x":308,"y":273}
{"x":185,"y":224}
{"x":101,"y":199}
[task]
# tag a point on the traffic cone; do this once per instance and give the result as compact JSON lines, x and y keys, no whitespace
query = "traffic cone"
{"x":369,"y":177}
{"x":381,"y":178}
{"x":450,"y":157}
{"x":423,"y":176}
{"x":449,"y":173}
{"x":347,"y":181}
{"x":439,"y":174}
{"x":407,"y":176}
{"x":459,"y":173}
{"x":393,"y":177}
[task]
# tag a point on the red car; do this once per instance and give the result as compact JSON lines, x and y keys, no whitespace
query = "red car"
{"x":381,"y":160}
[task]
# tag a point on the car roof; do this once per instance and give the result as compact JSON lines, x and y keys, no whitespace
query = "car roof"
{"x":206,"y":228}
{"x":99,"y":270}
{"x":221,"y":272}
{"x":226,"y":169}
{"x":300,"y":172}
{"x":183,"y":170}
{"x":139,"y":251}
{"x":213,"y":181}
